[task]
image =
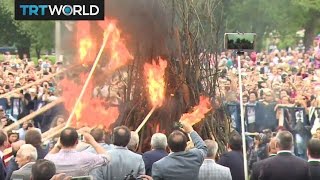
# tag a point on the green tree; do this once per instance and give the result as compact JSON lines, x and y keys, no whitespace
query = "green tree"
{"x":25,"y":34}
{"x":312,"y":21}
{"x":10,"y":34}
{"x":263,"y":17}
{"x":41,"y":33}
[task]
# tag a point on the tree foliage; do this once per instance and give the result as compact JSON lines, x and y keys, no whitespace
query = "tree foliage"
{"x":24,"y":34}
{"x":263,"y":17}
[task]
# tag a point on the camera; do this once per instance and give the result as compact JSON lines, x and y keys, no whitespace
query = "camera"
{"x":239,"y":41}
{"x":130,"y":176}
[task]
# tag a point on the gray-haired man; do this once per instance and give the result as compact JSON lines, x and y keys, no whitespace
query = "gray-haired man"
{"x":158,"y":151}
{"x":209,"y":169}
{"x":26,"y":157}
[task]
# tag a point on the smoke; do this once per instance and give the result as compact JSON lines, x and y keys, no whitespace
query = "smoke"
{"x":145,"y":23}
{"x":146,"y":26}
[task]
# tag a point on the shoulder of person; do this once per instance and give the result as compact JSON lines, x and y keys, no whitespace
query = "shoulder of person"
{"x":227,"y":154}
{"x":149,"y":153}
{"x":222,"y":168}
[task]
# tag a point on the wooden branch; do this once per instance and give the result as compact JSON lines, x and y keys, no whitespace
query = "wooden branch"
{"x":33,"y":114}
{"x":83,"y":90}
{"x":51,"y":134}
{"x":45,"y":134}
{"x":145,"y":119}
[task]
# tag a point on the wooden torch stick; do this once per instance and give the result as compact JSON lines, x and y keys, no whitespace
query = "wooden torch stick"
{"x":53,"y":130}
{"x":83,"y":90}
{"x":54,"y":133}
{"x":51,"y":134}
{"x":145,"y":119}
{"x":33,"y":114}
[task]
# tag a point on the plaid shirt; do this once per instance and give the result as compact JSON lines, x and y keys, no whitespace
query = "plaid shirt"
{"x":209,"y":170}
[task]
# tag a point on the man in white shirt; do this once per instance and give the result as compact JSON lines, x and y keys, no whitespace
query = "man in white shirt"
{"x":68,"y":160}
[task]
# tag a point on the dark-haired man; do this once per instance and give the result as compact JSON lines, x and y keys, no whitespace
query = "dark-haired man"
{"x":34,"y":138}
{"x":99,"y":135}
{"x":234,"y":158}
{"x":314,"y":158}
{"x":72,"y":162}
{"x":43,"y":170}
{"x":181,"y":164}
{"x":284,"y":166}
{"x":123,"y":161}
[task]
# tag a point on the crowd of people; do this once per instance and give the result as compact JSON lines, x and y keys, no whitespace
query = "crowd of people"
{"x":281,"y":99}
{"x":280,"y":90}
{"x":16,"y":73}
{"x":95,"y":157}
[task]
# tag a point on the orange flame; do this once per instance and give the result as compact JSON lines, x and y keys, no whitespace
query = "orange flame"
{"x":91,"y":111}
{"x":85,"y":47}
{"x":154,"y":73}
{"x":78,"y":110}
{"x":198,"y":113}
{"x":119,"y":54}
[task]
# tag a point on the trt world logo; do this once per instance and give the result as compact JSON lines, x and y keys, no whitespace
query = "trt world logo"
{"x":59,"y":9}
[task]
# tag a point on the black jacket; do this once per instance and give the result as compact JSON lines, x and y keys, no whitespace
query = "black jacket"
{"x":314,"y":167}
{"x":234,"y":161}
{"x":284,"y":166}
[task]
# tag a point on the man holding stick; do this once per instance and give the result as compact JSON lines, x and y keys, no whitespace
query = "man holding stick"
{"x":181,"y":164}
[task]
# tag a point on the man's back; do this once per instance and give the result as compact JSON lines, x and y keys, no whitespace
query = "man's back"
{"x":234,"y":161}
{"x":123,"y":161}
{"x":182,"y":165}
{"x":314,"y":167}
{"x":75,"y":163}
{"x":209,"y":170}
{"x":23,"y":173}
{"x":256,"y":170}
{"x":284,"y":166}
{"x":152,"y":156}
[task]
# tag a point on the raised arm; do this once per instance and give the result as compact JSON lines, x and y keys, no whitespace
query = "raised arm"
{"x":196,"y":139}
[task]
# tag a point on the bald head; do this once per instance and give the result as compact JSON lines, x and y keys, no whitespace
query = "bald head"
{"x":121,"y":136}
{"x":177,"y":141}
{"x":212,"y":148}
{"x":285,"y":140}
{"x":69,"y":137}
